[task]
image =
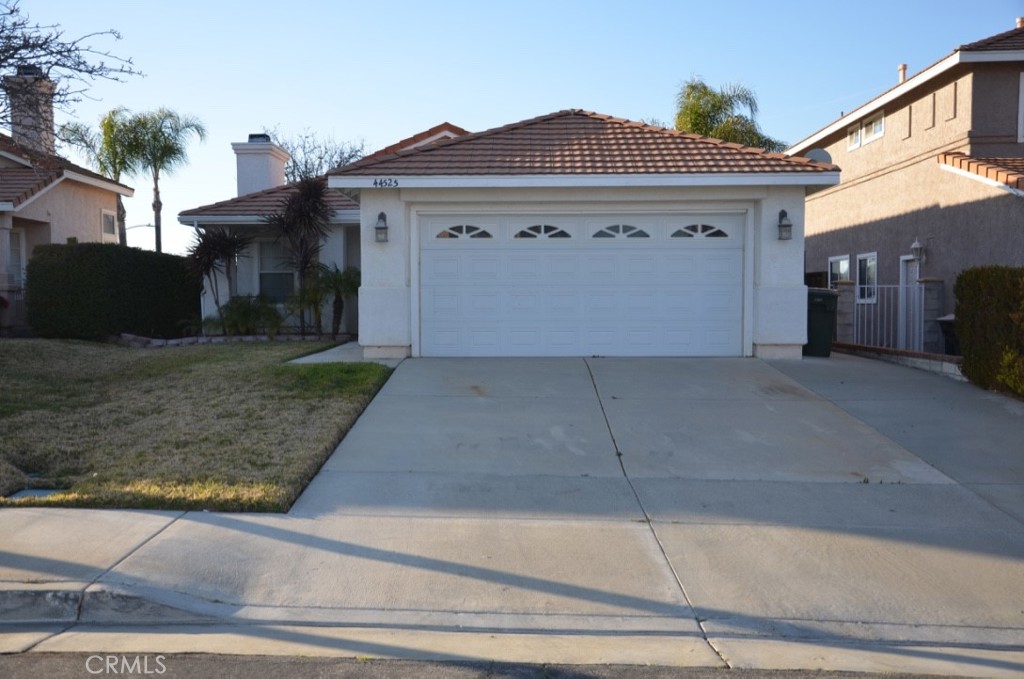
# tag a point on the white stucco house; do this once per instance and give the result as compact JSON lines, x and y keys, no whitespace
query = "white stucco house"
{"x":580,"y":234}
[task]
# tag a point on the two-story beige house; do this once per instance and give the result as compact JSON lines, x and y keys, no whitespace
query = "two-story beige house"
{"x":932,"y":184}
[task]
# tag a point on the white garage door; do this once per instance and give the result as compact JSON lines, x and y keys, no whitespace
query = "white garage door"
{"x":557,"y":285}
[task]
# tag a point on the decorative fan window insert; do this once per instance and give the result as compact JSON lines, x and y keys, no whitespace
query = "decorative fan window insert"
{"x":464,"y":231}
{"x":543,"y":231}
{"x":619,"y":230}
{"x":699,"y":231}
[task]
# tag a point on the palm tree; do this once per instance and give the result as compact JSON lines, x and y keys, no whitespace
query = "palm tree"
{"x":702,"y":109}
{"x":339,"y":284}
{"x":161,"y":137}
{"x":110,"y":150}
{"x":215,"y":250}
{"x":303,"y":222}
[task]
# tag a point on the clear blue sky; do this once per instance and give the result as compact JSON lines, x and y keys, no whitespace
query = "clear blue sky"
{"x":382,"y":71}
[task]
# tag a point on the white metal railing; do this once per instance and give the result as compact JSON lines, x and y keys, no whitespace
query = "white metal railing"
{"x":889,"y":316}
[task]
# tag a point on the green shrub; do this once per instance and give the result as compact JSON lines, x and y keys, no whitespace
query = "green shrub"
{"x":990,"y":326}
{"x":94,"y":290}
{"x":251,"y":316}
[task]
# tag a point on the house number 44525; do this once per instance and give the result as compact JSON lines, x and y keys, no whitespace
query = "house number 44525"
{"x":385,"y":183}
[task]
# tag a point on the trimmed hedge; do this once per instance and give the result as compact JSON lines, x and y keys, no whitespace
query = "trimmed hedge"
{"x":93,"y":291}
{"x":990,"y":326}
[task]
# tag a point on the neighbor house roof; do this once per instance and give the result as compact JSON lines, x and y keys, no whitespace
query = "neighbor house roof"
{"x":253,"y":207}
{"x":1003,"y":173}
{"x":37,"y":171}
{"x":572,"y":143}
{"x":1002,"y":47}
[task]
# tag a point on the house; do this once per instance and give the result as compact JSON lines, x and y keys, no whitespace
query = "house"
{"x":261,"y":191}
{"x":933,"y":181}
{"x":43,"y":197}
{"x":579,"y":234}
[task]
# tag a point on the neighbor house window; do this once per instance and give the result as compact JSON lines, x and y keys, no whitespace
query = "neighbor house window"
{"x":17,"y":273}
{"x":865,"y":132}
{"x":277,"y":280}
{"x":838,"y":269}
{"x":867,"y":278}
{"x":109,"y":223}
{"x":874,"y":128}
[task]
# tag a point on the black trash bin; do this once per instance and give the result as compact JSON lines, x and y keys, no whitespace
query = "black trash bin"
{"x":821,"y":321}
{"x":949,"y":339}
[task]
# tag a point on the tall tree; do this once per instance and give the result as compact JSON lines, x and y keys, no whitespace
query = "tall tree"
{"x":728,"y":113}
{"x":71,"y":63}
{"x":111,"y":150}
{"x":302,"y":222}
{"x":313,"y":155}
{"x":161,"y":137}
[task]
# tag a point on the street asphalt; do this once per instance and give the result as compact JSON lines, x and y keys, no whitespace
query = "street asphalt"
{"x":824,"y":514}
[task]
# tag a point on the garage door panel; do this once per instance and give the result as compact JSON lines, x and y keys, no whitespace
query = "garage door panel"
{"x":581,"y":295}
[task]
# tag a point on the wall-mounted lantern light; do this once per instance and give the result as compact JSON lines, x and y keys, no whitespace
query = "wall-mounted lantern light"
{"x":917,"y":251}
{"x":380,"y":230}
{"x":785,"y":226}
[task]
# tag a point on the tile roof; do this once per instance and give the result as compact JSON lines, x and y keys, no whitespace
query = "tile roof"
{"x":419,"y":139}
{"x":574,"y":142}
{"x":1010,"y":40}
{"x":1007,"y":171}
{"x":263,"y":203}
{"x":19,"y":184}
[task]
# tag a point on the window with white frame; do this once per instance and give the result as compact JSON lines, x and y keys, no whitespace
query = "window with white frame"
{"x":109,"y":220}
{"x":277,"y":280}
{"x":838,"y":269}
{"x":874,"y":128}
{"x":866,"y":131}
{"x":867,"y":278}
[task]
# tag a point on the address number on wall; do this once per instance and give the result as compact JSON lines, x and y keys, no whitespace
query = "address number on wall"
{"x":387,"y":183}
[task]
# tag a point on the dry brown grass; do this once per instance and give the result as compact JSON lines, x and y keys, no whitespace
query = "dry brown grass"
{"x":225,"y":427}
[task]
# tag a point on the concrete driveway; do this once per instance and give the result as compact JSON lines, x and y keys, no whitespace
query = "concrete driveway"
{"x":838,"y":514}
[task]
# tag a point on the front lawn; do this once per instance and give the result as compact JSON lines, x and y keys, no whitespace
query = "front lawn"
{"x":219,"y":427}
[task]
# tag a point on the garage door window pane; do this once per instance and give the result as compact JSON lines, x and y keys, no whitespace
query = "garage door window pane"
{"x":543,"y":231}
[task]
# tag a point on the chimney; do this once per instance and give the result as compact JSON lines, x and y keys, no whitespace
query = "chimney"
{"x":902,"y":68}
{"x":30,"y":94}
{"x":1020,"y":22}
{"x":260,"y":163}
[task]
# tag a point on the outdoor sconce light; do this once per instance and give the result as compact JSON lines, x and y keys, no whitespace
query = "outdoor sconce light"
{"x":380,"y":230}
{"x":785,"y":226}
{"x":917,"y":251}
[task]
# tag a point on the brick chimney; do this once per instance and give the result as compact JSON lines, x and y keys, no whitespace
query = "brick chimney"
{"x":902,"y":68}
{"x":30,"y":93}
{"x":260,"y":163}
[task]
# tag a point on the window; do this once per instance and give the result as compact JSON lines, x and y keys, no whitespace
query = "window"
{"x":865,"y":132}
{"x":853,"y":138}
{"x":874,"y":128}
{"x":616,"y":230}
{"x":867,"y":278}
{"x":838,"y":269}
{"x":17,"y":272}
{"x":464,"y":231}
{"x":542,"y":231}
{"x":699,"y":231}
{"x":277,"y":281}
{"x":109,"y":223}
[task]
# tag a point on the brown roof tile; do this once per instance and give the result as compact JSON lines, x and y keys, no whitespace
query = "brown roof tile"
{"x":576,"y":142}
{"x":1008,"y":171}
{"x":454,"y":130}
{"x":19,"y":184}
{"x":1010,"y":40}
{"x":263,"y":203}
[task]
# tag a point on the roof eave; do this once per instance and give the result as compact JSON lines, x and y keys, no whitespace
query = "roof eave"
{"x":822,"y":178}
{"x":121,"y":189}
{"x":337,"y":217}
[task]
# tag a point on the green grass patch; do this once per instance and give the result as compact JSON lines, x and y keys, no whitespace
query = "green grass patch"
{"x":219,"y":427}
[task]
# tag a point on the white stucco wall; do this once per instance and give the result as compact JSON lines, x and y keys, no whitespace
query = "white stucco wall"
{"x":775,"y":299}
